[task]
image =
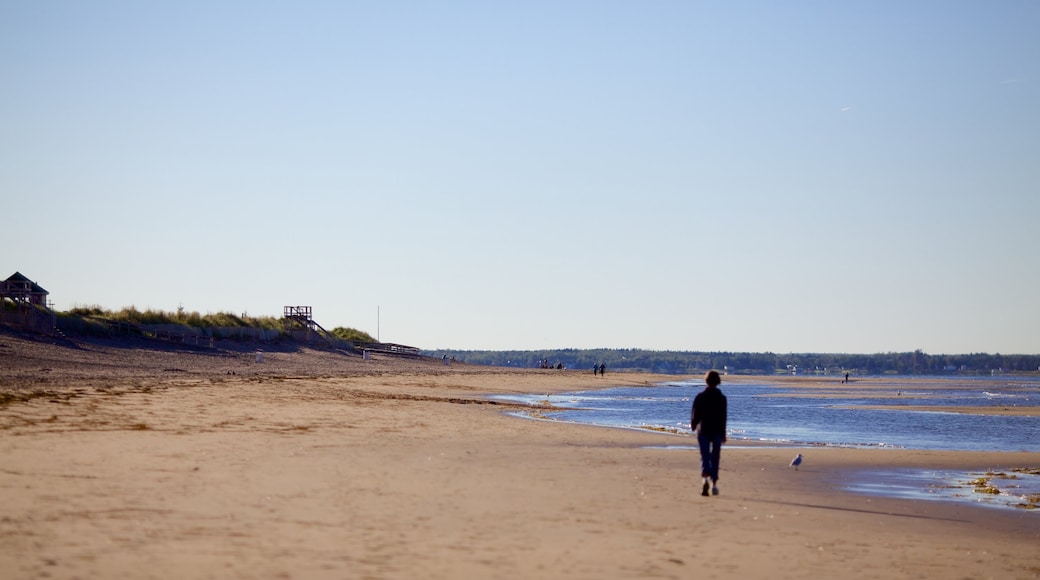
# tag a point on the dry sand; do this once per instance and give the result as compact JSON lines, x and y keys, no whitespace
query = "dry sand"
{"x":152,"y":462}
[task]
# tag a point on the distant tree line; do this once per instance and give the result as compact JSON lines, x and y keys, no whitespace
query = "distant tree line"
{"x":683,"y":363}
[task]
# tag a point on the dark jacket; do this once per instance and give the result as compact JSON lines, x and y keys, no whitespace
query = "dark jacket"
{"x":709,"y":411}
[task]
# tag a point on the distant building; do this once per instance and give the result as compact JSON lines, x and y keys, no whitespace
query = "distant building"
{"x":24,"y":303}
{"x":23,"y":291}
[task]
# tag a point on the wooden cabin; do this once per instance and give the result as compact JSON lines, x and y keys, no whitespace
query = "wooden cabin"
{"x":23,"y":303}
{"x":23,"y":291}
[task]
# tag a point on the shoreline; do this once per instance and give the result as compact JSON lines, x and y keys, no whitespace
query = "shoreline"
{"x":317,"y":467}
{"x":1006,"y":411}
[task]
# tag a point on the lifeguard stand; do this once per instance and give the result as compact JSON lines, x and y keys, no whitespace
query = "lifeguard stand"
{"x":298,"y":318}
{"x":298,"y":322}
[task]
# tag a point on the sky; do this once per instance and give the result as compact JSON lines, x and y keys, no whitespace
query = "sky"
{"x":815,"y":176}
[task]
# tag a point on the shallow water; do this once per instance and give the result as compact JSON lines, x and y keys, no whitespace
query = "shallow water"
{"x":1002,"y":490}
{"x":761,"y":412}
{"x":818,"y":417}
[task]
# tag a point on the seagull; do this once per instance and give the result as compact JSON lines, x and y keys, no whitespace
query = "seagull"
{"x":796,"y":461}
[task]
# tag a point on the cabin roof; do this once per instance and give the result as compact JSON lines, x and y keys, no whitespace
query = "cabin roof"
{"x":19,"y":278}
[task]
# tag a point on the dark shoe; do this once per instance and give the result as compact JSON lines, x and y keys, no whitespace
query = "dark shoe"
{"x":704,"y":490}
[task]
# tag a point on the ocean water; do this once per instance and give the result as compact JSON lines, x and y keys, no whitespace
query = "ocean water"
{"x":834,"y":416}
{"x":840,"y":416}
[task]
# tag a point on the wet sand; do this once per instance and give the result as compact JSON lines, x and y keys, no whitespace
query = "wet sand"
{"x":1009,"y":411}
{"x":158,"y":462}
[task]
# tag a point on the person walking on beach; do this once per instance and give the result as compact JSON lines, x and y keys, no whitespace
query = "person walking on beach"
{"x":602,"y":369}
{"x":708,"y":421}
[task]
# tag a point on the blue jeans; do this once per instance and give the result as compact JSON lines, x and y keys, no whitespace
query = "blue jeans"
{"x":711,"y":452}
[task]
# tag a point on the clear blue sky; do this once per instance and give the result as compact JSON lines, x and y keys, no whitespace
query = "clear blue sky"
{"x":750,"y":176}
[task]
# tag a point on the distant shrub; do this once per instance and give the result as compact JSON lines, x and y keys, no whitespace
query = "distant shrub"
{"x":225,"y":319}
{"x":191,"y":319}
{"x":132,"y":315}
{"x":92,"y":310}
{"x":352,"y":334}
{"x":83,"y":325}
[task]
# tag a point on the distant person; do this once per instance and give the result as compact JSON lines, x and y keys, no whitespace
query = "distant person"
{"x":602,"y":369}
{"x":846,"y":378}
{"x":708,"y":421}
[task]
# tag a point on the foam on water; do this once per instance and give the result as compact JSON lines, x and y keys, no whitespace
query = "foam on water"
{"x":1004,"y":489}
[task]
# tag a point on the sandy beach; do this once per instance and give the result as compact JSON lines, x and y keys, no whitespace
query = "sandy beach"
{"x":140,"y":460}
